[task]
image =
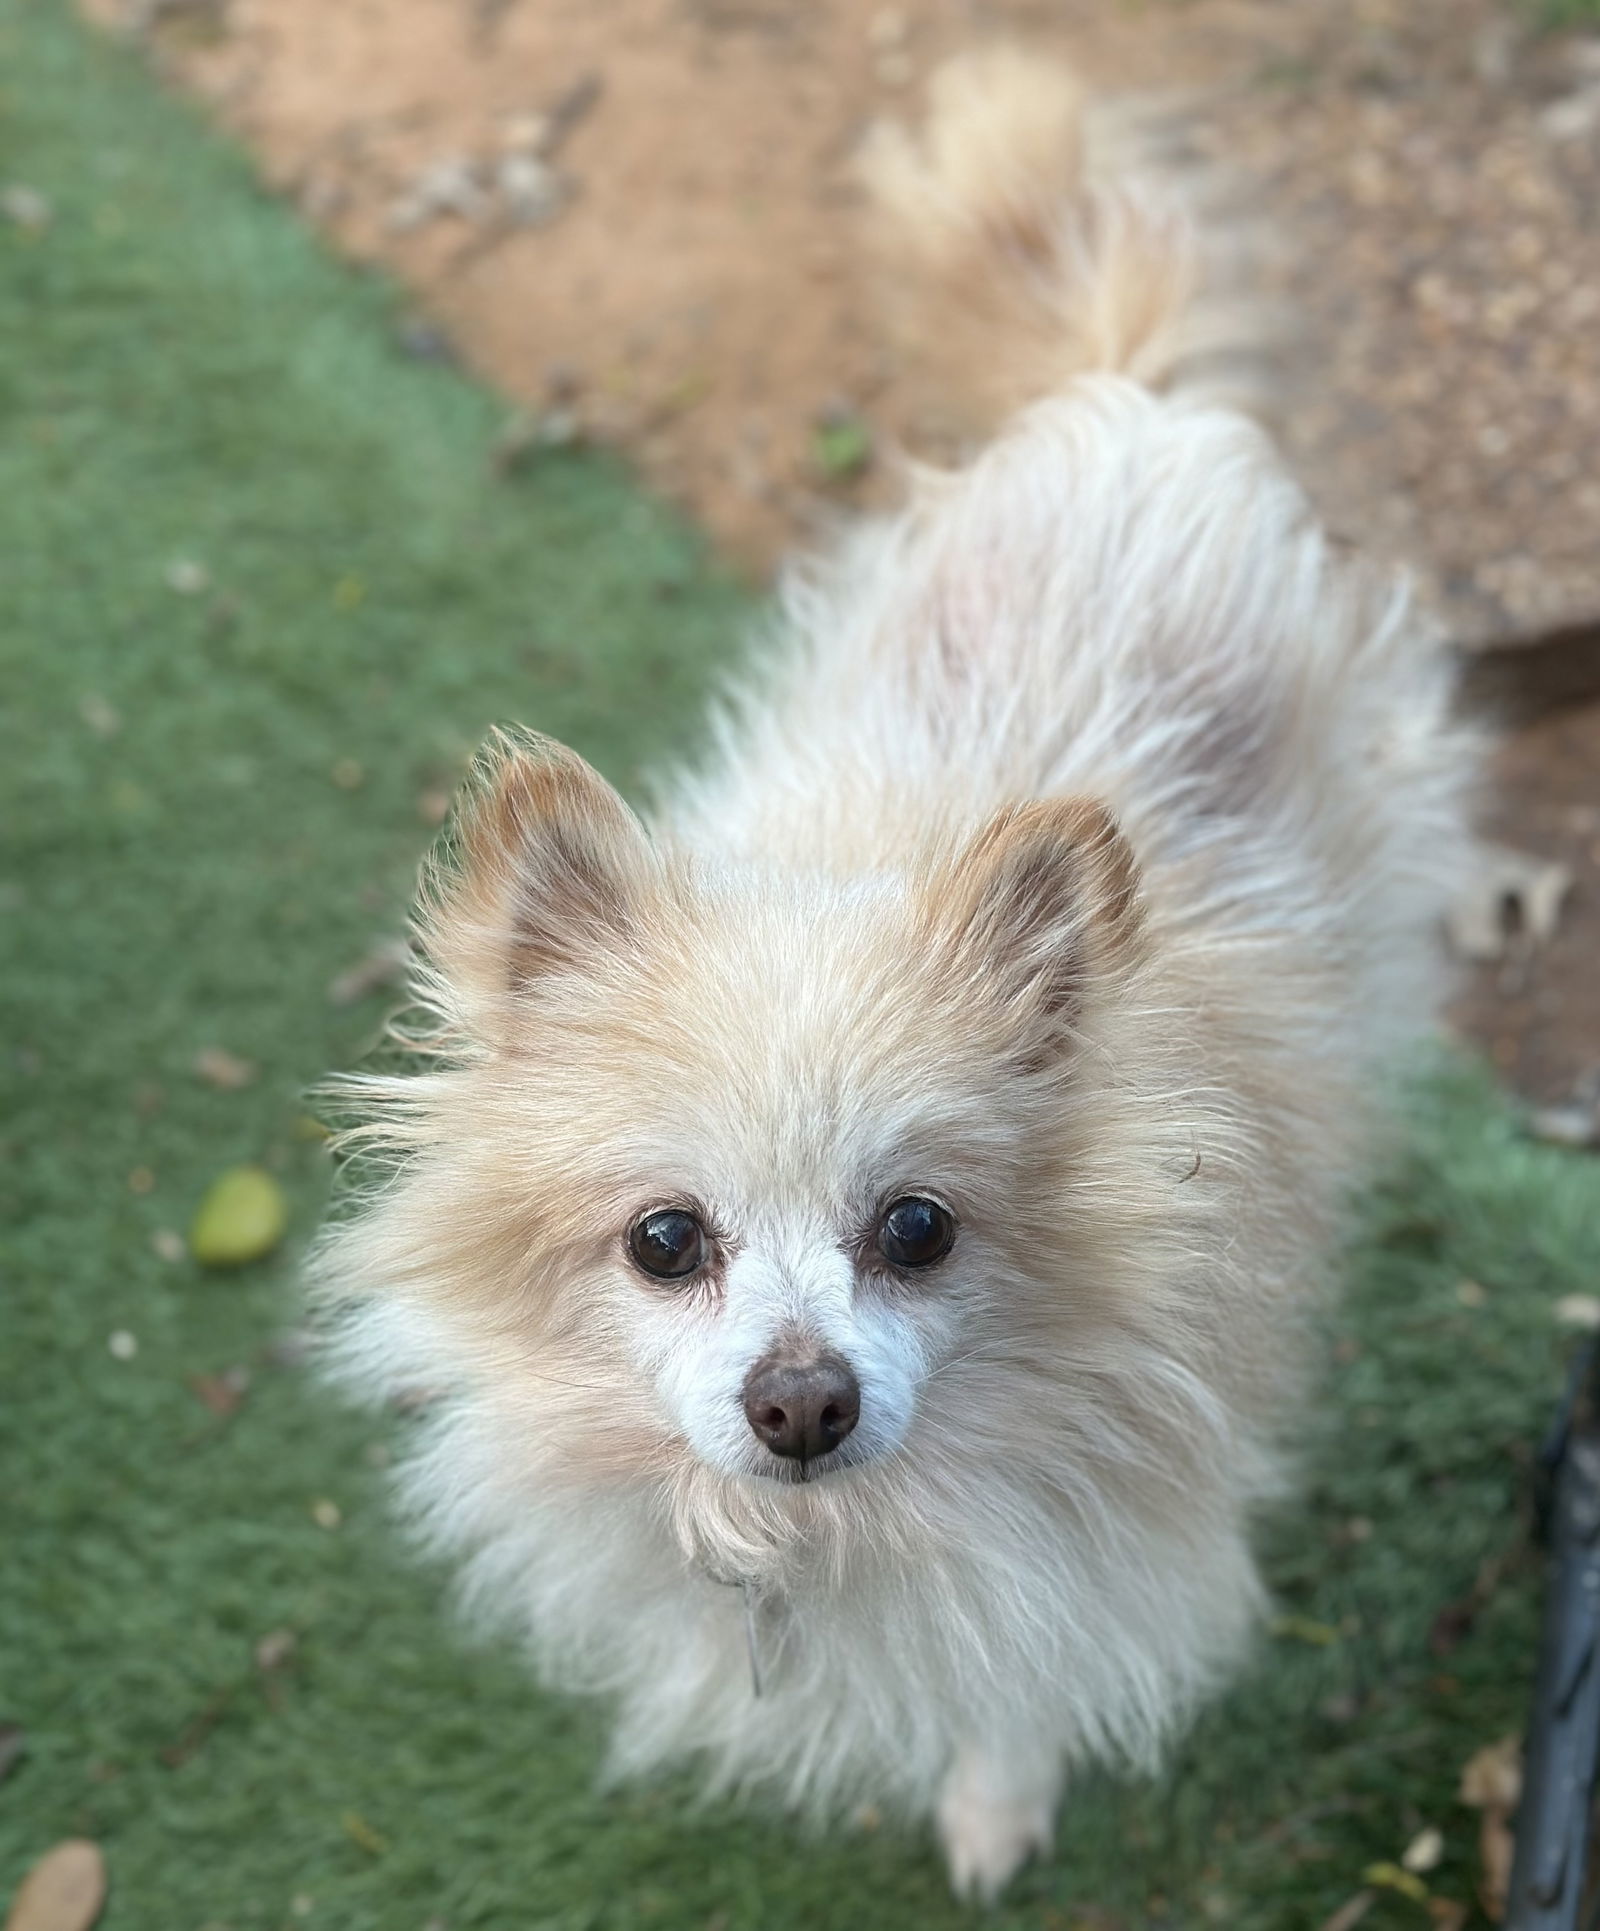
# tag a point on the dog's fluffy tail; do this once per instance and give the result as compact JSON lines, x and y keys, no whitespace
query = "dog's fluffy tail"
{"x":1033,"y":239}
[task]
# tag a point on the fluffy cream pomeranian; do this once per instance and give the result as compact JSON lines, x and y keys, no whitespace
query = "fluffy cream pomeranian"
{"x":857,"y":1223}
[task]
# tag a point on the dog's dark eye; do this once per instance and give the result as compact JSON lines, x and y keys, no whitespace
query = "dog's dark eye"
{"x":915,"y":1232}
{"x":668,"y":1244}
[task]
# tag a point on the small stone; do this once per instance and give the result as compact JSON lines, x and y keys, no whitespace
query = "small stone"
{"x":533,"y":192}
{"x":327,"y":1515}
{"x":1494,"y":49}
{"x":1572,"y":118}
{"x":1471,"y":1293}
{"x":1578,"y":1311}
{"x":1565,"y":1126}
{"x":25,"y":207}
{"x":123,"y":1345}
{"x":448,"y":186}
{"x":166,"y":1243}
{"x":187,"y":577}
{"x":1424,"y":1853}
{"x":100,"y":716}
{"x":527,"y":133}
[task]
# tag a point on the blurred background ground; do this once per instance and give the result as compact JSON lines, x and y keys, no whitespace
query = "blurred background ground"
{"x":268,"y":570}
{"x":639,"y":220}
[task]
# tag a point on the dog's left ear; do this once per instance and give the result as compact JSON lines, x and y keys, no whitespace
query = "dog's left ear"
{"x":1041,"y":907}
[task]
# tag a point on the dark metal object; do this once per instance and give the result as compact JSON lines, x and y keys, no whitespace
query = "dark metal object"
{"x":1554,"y":1886}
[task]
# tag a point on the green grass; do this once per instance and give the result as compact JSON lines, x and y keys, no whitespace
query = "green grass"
{"x":182,"y":375}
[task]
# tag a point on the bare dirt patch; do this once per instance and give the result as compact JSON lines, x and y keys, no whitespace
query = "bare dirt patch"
{"x":639,"y":220}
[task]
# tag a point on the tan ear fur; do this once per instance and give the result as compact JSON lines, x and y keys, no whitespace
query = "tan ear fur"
{"x":1044,"y":901}
{"x":551,"y":864}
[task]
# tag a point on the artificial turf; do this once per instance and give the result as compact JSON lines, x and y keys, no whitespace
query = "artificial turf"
{"x":209,"y":807}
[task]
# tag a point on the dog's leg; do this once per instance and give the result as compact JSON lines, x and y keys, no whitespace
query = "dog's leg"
{"x":996,"y":1810}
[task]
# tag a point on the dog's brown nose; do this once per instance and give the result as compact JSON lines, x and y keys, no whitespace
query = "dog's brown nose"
{"x":802,"y":1408}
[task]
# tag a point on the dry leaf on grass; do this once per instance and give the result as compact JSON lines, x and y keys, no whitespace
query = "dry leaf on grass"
{"x":221,"y":1393}
{"x":359,"y":1831}
{"x":383,"y":966}
{"x":1514,"y":901}
{"x":1303,"y":1629}
{"x":1577,"y":1311}
{"x":1492,"y":1776}
{"x":224,"y":1070}
{"x":196,"y":1732}
{"x":1496,"y":1850}
{"x":1350,"y":1913}
{"x":1491,"y":1784}
{"x":64,"y":1891}
{"x":1387,"y":1876}
{"x":275,"y":1649}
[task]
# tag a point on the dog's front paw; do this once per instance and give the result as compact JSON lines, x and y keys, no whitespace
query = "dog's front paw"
{"x":991,"y":1822}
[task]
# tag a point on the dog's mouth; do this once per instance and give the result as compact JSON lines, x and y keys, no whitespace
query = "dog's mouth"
{"x":791,"y":1471}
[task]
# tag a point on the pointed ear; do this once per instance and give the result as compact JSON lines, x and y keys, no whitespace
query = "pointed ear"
{"x":551,"y":870}
{"x":1042,"y":905}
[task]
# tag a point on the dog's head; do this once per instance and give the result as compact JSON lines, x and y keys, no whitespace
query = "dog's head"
{"x":723,"y":1166}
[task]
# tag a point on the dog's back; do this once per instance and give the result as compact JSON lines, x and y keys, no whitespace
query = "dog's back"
{"x":1125,"y":594}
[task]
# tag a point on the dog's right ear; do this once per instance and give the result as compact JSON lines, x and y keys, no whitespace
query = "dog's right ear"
{"x":1039,"y":911}
{"x":550,"y":872}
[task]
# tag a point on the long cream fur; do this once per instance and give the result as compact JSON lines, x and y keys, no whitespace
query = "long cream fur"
{"x":1074,"y":850}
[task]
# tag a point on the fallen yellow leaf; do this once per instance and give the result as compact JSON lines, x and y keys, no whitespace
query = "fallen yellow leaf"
{"x":359,"y":1831}
{"x":1304,"y":1629}
{"x":1394,"y":1877}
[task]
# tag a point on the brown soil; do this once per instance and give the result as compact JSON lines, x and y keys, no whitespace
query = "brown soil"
{"x":638,"y":219}
{"x":1539,"y":1014}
